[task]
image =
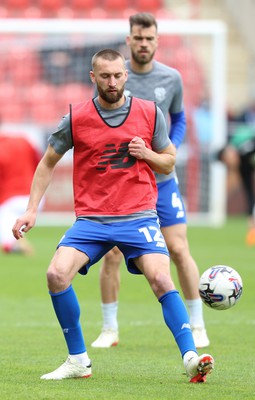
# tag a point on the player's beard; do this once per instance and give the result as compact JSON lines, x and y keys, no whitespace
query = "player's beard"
{"x":111,"y":97}
{"x":142,"y":59}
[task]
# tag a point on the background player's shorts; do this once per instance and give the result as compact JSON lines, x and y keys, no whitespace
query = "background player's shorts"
{"x":170,"y":206}
{"x":133,"y":237}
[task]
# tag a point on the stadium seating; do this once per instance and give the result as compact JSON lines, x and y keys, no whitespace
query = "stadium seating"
{"x":115,"y":6}
{"x":11,"y":107}
{"x":49,"y":7}
{"x":82,"y":5}
{"x":71,"y":93}
{"x":32,"y":12}
{"x":148,"y":6}
{"x":3,"y":12}
{"x":65,"y":12}
{"x":17,"y":4}
{"x":23,"y":66}
{"x":41,"y":103}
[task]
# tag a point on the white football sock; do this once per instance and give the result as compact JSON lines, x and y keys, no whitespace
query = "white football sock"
{"x":110,"y":311}
{"x":195,"y":309}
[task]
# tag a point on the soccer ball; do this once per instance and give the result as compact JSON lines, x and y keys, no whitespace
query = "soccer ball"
{"x":220,"y":287}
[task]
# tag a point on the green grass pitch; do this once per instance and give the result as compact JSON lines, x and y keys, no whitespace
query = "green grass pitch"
{"x":146,"y":364}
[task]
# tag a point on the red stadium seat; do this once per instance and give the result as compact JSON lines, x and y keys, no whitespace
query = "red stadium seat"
{"x":41,"y":92}
{"x":24,"y":66}
{"x":50,"y":7}
{"x":98,"y":13}
{"x":32,"y":12}
{"x":163,"y":13}
{"x":115,"y":5}
{"x":7,"y":93}
{"x":128,"y":11}
{"x":3,"y":69}
{"x":13,"y":113}
{"x":18,"y":4}
{"x":41,"y":99}
{"x":149,"y":5}
{"x":82,"y":5}
{"x":11,"y":104}
{"x":45,"y":114}
{"x":3,"y":12}
{"x":71,"y":93}
{"x":65,"y":12}
{"x":172,"y":42}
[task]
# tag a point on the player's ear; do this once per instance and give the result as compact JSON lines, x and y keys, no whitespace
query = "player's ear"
{"x":92,"y":76}
{"x":128,"y":40}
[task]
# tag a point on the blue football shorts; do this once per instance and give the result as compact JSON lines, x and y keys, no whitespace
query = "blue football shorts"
{"x":133,"y":237}
{"x":170,"y":206}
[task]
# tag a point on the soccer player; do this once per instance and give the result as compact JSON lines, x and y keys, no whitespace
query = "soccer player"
{"x":114,"y":139}
{"x":18,"y":161}
{"x":239,"y":157}
{"x":151,"y":80}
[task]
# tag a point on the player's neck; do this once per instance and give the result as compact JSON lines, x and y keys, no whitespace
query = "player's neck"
{"x":141,"y":68}
{"x":111,"y":106}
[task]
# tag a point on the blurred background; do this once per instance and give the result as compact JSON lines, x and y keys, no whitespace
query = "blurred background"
{"x":211,"y":42}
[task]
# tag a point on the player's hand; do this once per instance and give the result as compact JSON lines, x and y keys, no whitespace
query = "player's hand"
{"x":137,"y":148}
{"x":23,"y":224}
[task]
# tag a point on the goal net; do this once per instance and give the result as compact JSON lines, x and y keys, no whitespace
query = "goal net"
{"x":45,"y":66}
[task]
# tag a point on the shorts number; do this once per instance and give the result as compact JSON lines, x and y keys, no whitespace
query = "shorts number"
{"x":176,"y":201}
{"x":152,"y":234}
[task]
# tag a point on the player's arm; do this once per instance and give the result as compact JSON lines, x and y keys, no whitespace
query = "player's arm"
{"x":178,"y":128}
{"x":161,"y":158}
{"x":162,"y":162}
{"x":41,"y":180}
{"x":176,"y":112}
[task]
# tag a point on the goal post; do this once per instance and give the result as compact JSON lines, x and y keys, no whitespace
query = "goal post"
{"x":45,"y":66}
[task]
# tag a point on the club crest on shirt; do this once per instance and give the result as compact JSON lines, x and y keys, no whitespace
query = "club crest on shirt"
{"x":160,"y":94}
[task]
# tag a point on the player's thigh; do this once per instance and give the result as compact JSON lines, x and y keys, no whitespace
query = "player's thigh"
{"x":67,"y":261}
{"x":152,"y":263}
{"x":175,"y":237}
{"x":156,"y":269}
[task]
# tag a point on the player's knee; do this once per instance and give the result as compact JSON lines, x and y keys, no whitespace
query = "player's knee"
{"x":57,"y":281}
{"x":161,"y":284}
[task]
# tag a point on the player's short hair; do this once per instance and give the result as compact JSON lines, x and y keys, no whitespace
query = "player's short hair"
{"x":107,"y":54}
{"x":146,"y":20}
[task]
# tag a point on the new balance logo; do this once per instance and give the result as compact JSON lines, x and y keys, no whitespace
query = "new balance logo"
{"x":116,"y":158}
